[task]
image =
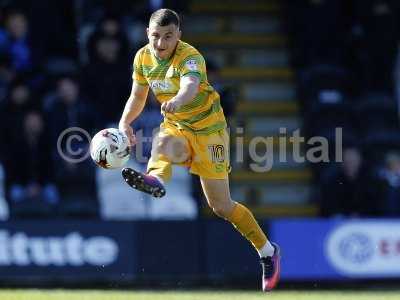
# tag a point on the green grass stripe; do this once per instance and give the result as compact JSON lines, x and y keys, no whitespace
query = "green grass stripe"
{"x":195,"y":295}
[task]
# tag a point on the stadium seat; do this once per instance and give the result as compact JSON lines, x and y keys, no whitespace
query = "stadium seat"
{"x":324,"y":84}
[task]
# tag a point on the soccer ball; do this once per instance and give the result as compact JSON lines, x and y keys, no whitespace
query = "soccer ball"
{"x":110,"y":149}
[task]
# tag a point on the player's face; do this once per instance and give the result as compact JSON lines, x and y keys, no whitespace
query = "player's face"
{"x":163,"y":39}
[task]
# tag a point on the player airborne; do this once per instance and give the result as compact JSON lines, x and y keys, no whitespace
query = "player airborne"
{"x":193,"y":132}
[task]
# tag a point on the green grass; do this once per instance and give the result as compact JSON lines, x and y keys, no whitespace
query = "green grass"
{"x":194,"y":295}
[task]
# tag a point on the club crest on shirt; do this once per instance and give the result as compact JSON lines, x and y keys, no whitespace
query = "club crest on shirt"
{"x":191,"y":64}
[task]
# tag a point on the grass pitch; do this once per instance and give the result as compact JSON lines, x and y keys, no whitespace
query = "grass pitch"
{"x":194,"y":295}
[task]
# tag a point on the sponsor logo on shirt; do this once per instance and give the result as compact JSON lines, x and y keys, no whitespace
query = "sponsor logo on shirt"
{"x":160,"y":85}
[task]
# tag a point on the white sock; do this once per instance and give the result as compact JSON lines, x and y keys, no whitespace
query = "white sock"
{"x":266,"y":250}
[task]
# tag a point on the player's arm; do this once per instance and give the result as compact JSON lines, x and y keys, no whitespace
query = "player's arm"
{"x":189,"y":87}
{"x":133,"y":107}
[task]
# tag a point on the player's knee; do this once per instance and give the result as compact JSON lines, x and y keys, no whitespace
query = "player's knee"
{"x":173,"y":148}
{"x":160,"y":148}
{"x":220,"y":212}
{"x":223,"y":210}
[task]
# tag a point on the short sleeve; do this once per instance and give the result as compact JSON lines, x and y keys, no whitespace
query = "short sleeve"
{"x":193,"y":65}
{"x":137,"y":74}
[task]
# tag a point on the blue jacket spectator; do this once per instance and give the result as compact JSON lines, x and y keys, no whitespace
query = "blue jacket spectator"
{"x":15,"y":41}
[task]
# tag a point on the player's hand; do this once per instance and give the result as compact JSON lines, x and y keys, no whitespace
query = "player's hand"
{"x":128,"y":131}
{"x":171,"y":106}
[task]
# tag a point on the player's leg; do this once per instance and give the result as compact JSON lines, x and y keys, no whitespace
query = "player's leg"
{"x":169,"y":147}
{"x":211,"y":163}
{"x":219,"y":199}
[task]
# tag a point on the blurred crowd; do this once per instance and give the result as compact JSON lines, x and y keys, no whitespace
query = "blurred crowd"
{"x":347,"y":57}
{"x":62,"y":64}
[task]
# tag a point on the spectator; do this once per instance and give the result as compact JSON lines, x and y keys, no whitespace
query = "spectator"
{"x":345,"y":190}
{"x":107,"y":76}
{"x":16,"y":43}
{"x":375,"y":52}
{"x":69,"y":109}
{"x":390,"y":176}
{"x":29,"y":169}
{"x":109,"y":27}
{"x":75,"y":180}
{"x":7,"y":75}
{"x":18,"y":102}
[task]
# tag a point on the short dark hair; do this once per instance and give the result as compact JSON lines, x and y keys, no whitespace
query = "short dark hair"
{"x":165,"y":17}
